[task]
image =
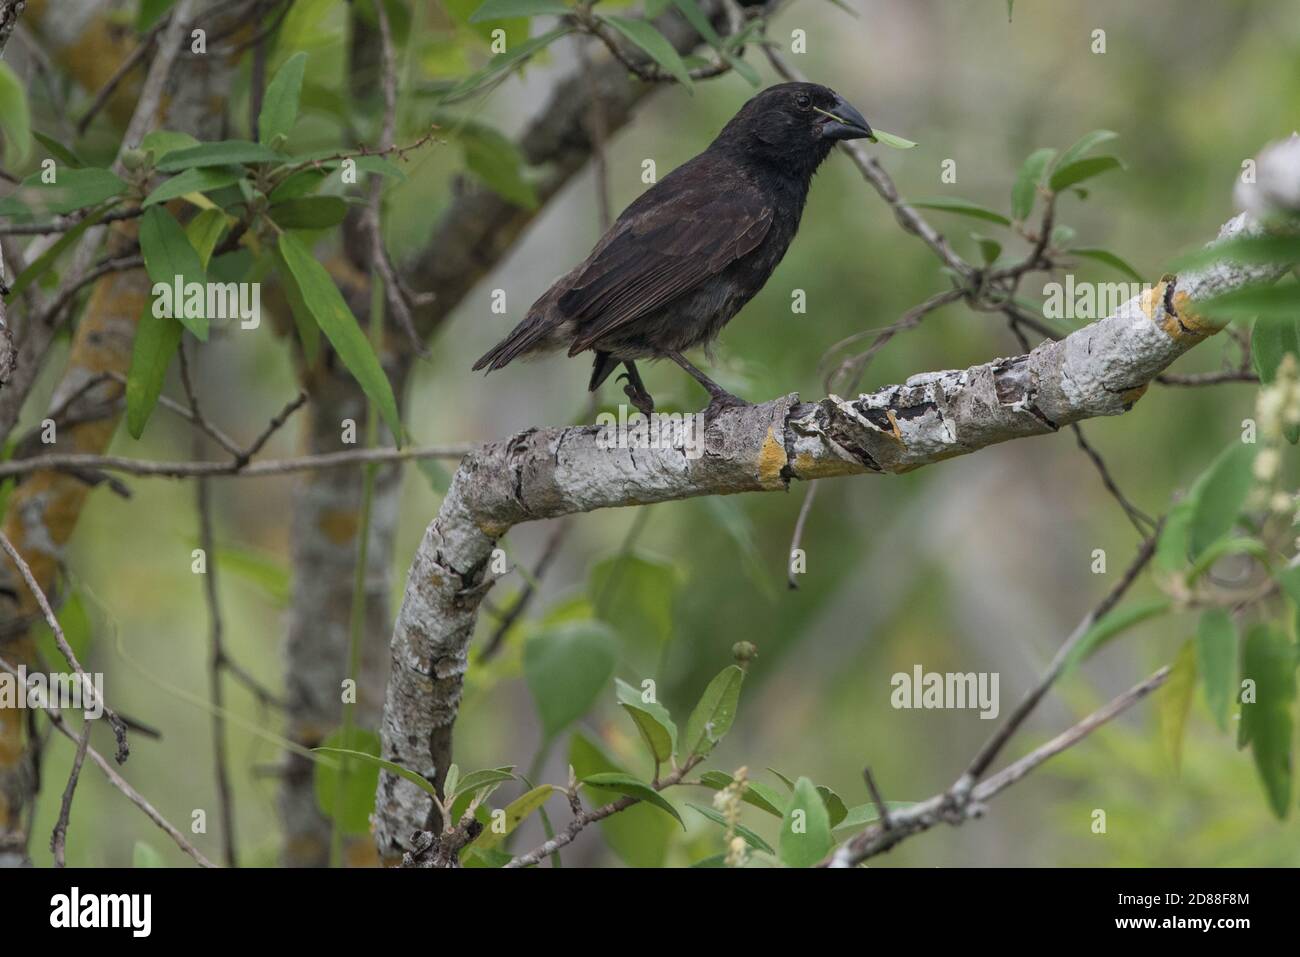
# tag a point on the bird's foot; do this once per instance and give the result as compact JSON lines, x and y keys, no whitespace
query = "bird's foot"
{"x":638,"y":396}
{"x":720,"y":401}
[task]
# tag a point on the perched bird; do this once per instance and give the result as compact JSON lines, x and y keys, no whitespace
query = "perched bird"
{"x":694,"y":248}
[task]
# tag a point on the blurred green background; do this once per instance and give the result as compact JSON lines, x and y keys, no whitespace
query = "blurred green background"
{"x":981,"y":564}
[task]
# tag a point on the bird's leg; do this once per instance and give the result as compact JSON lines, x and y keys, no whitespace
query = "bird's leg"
{"x":719,"y":398}
{"x":635,"y":390}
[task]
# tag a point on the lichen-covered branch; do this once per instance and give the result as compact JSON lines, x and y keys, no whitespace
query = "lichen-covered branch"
{"x":1101,"y":369}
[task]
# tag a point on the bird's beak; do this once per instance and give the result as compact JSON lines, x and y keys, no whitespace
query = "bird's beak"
{"x":843,"y":122}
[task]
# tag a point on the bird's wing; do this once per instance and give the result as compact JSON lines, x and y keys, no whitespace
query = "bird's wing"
{"x":661,"y":249}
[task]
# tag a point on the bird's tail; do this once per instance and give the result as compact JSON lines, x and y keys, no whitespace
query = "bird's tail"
{"x":521,"y":339}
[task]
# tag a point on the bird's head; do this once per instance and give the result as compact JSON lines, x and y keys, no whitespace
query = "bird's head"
{"x":794,"y":125}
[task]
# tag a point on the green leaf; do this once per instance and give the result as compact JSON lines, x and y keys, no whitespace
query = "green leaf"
{"x":1028,"y":180}
{"x":1110,"y":259}
{"x":204,"y":231}
{"x":305,"y":182}
{"x":48,"y":258}
{"x":1172,"y":549}
{"x":1085,"y":144}
{"x":701,"y":25}
{"x":715,"y":712}
{"x":497,"y":161}
{"x":261,"y":569}
{"x":58,"y":150}
{"x":640,"y":836}
{"x":566,"y":667}
{"x":1219,"y":495}
{"x":156,"y":341}
{"x":749,"y":836}
{"x":1228,"y":546}
{"x":366,"y":757}
{"x":349,"y":808}
{"x":71,"y":189}
{"x":1216,"y":646}
{"x":503,"y":63}
{"x":150,"y":12}
{"x":221,"y":153}
{"x":1251,"y":250}
{"x":304,"y":322}
{"x":805,"y":828}
{"x":486,"y":780}
{"x":280,"y":102}
{"x":1065,"y":176}
{"x":756,"y":793}
{"x":1288,"y":579}
{"x":835,"y":809}
{"x":962,"y":207}
{"x":15,"y":117}
{"x":654,"y":44}
{"x":516,"y":811}
{"x":651,"y":719}
{"x":891,"y":139}
{"x":1175,"y":701}
{"x":630,"y":786}
{"x":1269,"y":342}
{"x":1269,"y":660}
{"x":1279,"y":302}
{"x":162,"y":142}
{"x":197,"y":180}
{"x":861,"y":815}
{"x":310,"y":212}
{"x":990,"y":249}
{"x":635,"y":593}
{"x":322,"y":300}
{"x":146,"y":855}
{"x":168,"y":254}
{"x":505,"y":9}
{"x":1111,"y":626}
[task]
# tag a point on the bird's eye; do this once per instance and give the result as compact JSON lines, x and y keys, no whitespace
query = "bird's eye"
{"x":803,"y":101}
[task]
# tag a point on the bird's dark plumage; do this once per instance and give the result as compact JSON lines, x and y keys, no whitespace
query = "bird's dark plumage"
{"x":684,"y":258}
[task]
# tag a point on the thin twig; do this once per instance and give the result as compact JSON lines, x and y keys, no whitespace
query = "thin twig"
{"x":985,"y":756}
{"x":59,"y":839}
{"x":120,"y":783}
{"x":1140,"y":520}
{"x":69,"y":462}
{"x":581,"y":821}
{"x":1208,"y":378}
{"x":954,"y":806}
{"x":88,"y":688}
{"x":125,"y":67}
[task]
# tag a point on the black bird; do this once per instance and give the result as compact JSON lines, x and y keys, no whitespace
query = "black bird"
{"x":694,"y":248}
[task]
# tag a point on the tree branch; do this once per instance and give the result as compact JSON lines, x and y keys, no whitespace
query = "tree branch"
{"x":1101,"y":369}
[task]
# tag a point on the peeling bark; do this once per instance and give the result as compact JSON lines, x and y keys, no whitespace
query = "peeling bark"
{"x":1101,"y":369}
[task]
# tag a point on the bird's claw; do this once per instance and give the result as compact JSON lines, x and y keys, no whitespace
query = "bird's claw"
{"x":639,"y":398}
{"x":722,"y":401}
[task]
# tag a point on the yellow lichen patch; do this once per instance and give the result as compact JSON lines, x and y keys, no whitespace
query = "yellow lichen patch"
{"x":893,"y":424}
{"x":339,"y":525}
{"x":1153,"y":299}
{"x":771,"y":461}
{"x":1130,"y":396}
{"x":810,"y":467}
{"x":1199,"y":324}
